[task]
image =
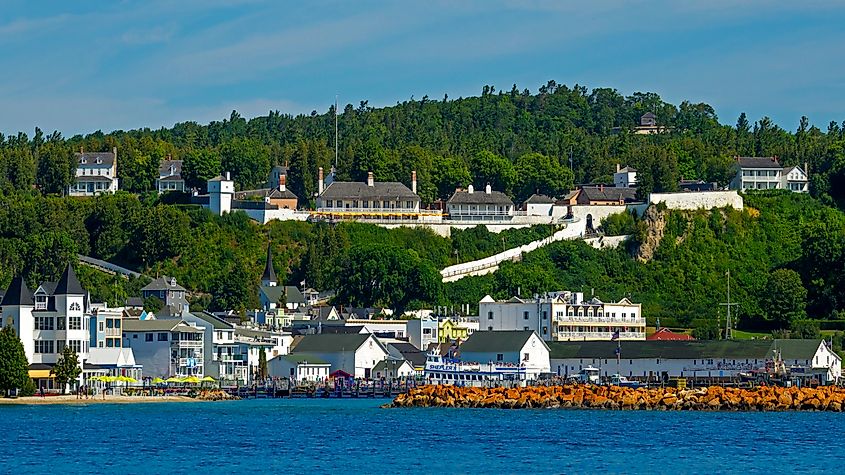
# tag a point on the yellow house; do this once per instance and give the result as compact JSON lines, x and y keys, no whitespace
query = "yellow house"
{"x":449,"y":330}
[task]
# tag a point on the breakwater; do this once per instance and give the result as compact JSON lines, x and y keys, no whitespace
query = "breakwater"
{"x":713,"y":398}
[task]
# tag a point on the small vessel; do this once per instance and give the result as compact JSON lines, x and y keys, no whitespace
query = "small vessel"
{"x":623,"y":382}
{"x":450,"y":371}
{"x":587,"y":375}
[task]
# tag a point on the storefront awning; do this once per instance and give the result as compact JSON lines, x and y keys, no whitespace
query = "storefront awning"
{"x":39,"y":373}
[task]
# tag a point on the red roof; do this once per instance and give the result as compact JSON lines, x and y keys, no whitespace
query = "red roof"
{"x":664,"y":334}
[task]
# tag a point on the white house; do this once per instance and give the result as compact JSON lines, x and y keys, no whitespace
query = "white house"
{"x":96,"y":173}
{"x":169,"y":347}
{"x":356,"y":354}
{"x":170,"y":176}
{"x":54,"y":316}
{"x":515,"y":347}
{"x":370,"y":200}
{"x":564,"y":316}
{"x":222,"y":357}
{"x":381,"y":327}
{"x":656,"y":360}
{"x":538,"y":205}
{"x":625,"y":177}
{"x":299,"y":367}
{"x":757,"y":173}
{"x":467,"y":205}
{"x":796,"y":179}
{"x":393,"y":369}
{"x":251,"y":341}
{"x":423,"y":331}
{"x":220,"y":191}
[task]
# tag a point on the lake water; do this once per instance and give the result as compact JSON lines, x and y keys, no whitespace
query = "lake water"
{"x":356,"y":436}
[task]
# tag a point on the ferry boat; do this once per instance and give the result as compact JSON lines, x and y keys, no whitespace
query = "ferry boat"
{"x":450,"y":371}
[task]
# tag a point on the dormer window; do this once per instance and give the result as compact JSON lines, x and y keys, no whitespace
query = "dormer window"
{"x":99,"y":160}
{"x":83,"y":161}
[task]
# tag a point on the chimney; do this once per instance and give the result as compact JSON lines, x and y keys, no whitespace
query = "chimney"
{"x":370,"y":181}
{"x":320,"y":180}
{"x":81,"y":149}
{"x":228,"y":176}
{"x":282,"y":182}
{"x":807,"y":169}
{"x":114,"y":151}
{"x":618,"y":167}
{"x":601,"y":187}
{"x":487,"y":189}
{"x":414,"y":181}
{"x":470,"y":189}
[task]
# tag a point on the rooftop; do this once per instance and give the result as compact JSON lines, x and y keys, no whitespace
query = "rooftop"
{"x":162,"y":283}
{"x":609,"y":193}
{"x":758,"y":162}
{"x":92,"y":158}
{"x":480,"y":197}
{"x":490,"y":341}
{"x":693,"y":349}
{"x":540,"y":199}
{"x":331,"y":342}
{"x":353,"y":190}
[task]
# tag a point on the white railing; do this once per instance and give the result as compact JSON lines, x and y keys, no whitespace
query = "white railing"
{"x":587,"y":320}
{"x":113,"y":332}
{"x":576,"y":336}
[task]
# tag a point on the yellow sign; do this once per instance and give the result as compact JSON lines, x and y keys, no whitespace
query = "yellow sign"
{"x":682,"y":383}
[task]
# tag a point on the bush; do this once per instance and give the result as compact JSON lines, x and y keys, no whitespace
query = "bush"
{"x":28,"y":388}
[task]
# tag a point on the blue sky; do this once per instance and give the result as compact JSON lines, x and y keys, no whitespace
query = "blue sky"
{"x":78,"y":67}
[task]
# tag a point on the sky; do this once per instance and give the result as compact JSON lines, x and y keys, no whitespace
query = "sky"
{"x":79,"y":67}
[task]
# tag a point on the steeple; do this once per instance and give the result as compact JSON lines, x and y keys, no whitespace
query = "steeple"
{"x":69,"y":284}
{"x":269,"y":278}
{"x":17,"y":294}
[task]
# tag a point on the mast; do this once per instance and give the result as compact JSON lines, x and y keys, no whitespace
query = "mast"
{"x":335,"y":132}
{"x":729,"y":304}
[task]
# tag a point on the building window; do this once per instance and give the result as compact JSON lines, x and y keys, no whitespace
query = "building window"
{"x":44,"y":346}
{"x":525,"y":328}
{"x":101,"y":325}
{"x":162,"y":337}
{"x":489,"y":315}
{"x":500,"y":357}
{"x":44,"y":323}
{"x":545,"y":315}
{"x":147,"y":337}
{"x":525,"y":315}
{"x":74,"y":323}
{"x":489,"y":329}
{"x":75,"y":345}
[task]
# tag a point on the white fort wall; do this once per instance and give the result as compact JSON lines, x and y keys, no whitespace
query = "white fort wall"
{"x":698,"y":200}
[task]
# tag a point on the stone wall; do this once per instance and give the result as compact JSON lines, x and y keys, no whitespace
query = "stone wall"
{"x":698,"y":200}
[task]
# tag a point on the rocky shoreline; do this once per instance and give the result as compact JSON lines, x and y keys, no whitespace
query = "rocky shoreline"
{"x":713,"y":398}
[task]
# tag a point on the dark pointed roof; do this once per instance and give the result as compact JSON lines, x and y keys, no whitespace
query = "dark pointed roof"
{"x":68,"y":284}
{"x":17,"y":293}
{"x":269,"y":273}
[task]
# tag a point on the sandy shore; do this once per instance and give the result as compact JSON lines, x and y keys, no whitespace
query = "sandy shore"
{"x":71,"y":399}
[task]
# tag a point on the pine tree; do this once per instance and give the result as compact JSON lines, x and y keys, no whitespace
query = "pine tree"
{"x":14,"y":368}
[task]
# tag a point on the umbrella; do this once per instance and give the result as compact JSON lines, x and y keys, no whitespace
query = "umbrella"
{"x":126,"y":379}
{"x":208,"y":379}
{"x":174,"y":379}
{"x":108,"y":379}
{"x":157,"y":380}
{"x":191,"y":380}
{"x":97,"y":378}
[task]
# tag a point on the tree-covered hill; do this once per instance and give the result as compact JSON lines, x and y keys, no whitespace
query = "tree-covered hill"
{"x":517,"y":140}
{"x":780,"y":245}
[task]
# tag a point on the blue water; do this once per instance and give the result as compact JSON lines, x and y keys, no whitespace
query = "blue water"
{"x":356,"y":436}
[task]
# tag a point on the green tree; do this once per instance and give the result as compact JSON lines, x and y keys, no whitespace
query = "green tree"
{"x":200,"y":165}
{"x":153,"y":304}
{"x":538,"y":173}
{"x":784,"y":299}
{"x":56,"y":167}
{"x":804,"y":329}
{"x":67,"y":368}
{"x":248,"y":160}
{"x":262,"y":364}
{"x":494,"y":170}
{"x":14,"y":368}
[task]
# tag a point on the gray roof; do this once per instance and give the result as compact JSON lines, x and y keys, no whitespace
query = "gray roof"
{"x":686,"y":349}
{"x":480,"y":197}
{"x":648,"y":115}
{"x":353,"y":190}
{"x":540,"y":199}
{"x":390,"y":364}
{"x":164,"y":168}
{"x":215,"y":322}
{"x":69,"y":284}
{"x":331,"y":342}
{"x":411,"y":353}
{"x":490,"y":341}
{"x":627,"y":170}
{"x":293,"y":295}
{"x":273,"y":193}
{"x":17,"y":293}
{"x":106,"y":158}
{"x":758,"y":162}
{"x":94,"y":178}
{"x":609,"y":193}
{"x":303,"y":358}
{"x":162,"y":283}
{"x":272,"y":292}
{"x":250,"y":333}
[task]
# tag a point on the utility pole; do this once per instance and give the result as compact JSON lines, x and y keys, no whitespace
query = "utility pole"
{"x":728,"y":304}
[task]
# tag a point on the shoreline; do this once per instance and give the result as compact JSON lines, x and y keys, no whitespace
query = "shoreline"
{"x":71,"y":399}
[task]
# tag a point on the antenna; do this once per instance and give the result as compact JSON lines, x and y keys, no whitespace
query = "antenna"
{"x":728,"y":332}
{"x":335,"y":132}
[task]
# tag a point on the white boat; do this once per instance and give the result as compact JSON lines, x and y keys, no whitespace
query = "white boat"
{"x":449,"y":371}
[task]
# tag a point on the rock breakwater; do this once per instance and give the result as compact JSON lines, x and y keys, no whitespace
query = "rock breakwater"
{"x":215,"y":395}
{"x":713,"y":398}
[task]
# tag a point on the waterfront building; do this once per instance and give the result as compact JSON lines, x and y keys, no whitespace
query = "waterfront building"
{"x":356,"y":354}
{"x":370,"y":200}
{"x":382,"y":328}
{"x":413,"y":354}
{"x":105,"y":325}
{"x":467,"y":205}
{"x":251,"y":341}
{"x":299,"y":367}
{"x":169,"y":347}
{"x":170,"y":176}
{"x":393,"y":368}
{"x":515,"y":347}
{"x":222,"y":356}
{"x":455,"y":328}
{"x":423,"y":331}
{"x":564,"y":316}
{"x":47,"y":320}
{"x":112,"y":361}
{"x":171,"y":294}
{"x":96,"y":173}
{"x":659,"y":360}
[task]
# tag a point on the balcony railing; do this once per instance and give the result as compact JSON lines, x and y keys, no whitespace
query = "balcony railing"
{"x":588,"y":320}
{"x":113,"y":332}
{"x":581,"y":336}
